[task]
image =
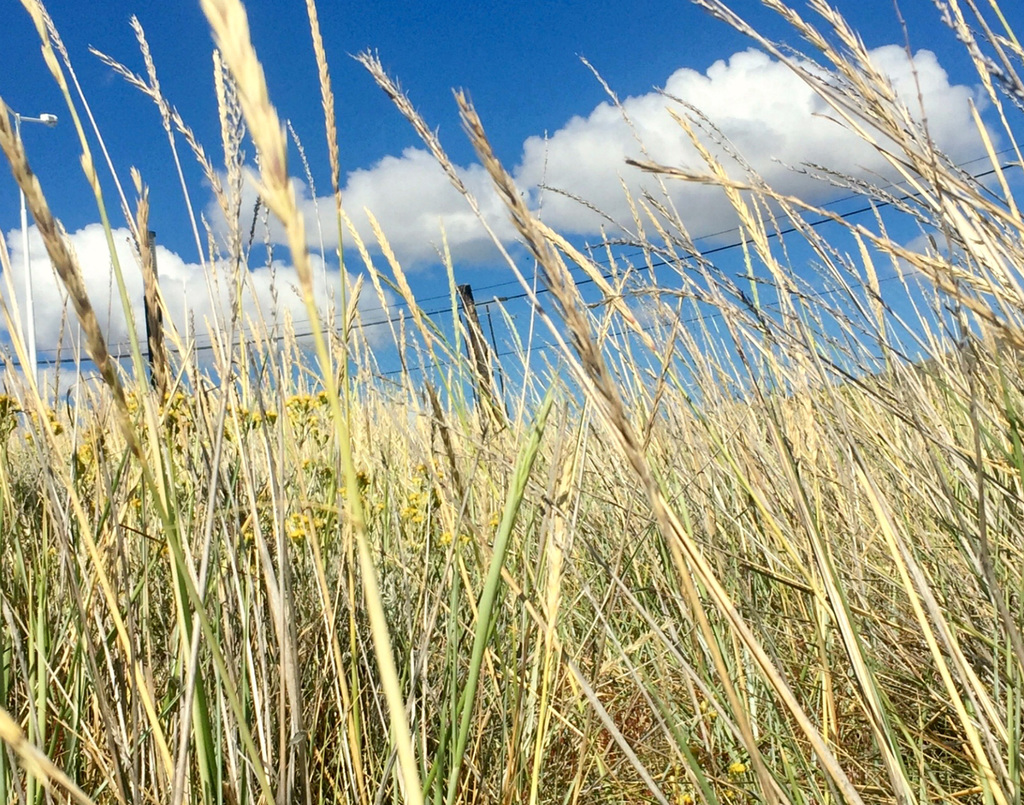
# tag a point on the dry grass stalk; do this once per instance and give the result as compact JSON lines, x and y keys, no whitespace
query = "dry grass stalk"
{"x":689,"y":557}
{"x":230,"y":27}
{"x":66,"y":266}
{"x":153,"y":303}
{"x":36,"y":762}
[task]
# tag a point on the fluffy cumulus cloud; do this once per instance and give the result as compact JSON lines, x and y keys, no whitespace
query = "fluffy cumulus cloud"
{"x":198,"y":300}
{"x":412,"y":200}
{"x":768,"y":113}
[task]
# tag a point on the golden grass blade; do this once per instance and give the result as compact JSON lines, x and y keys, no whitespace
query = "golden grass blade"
{"x":689,"y":558}
{"x":35,"y":762}
{"x":230,"y":27}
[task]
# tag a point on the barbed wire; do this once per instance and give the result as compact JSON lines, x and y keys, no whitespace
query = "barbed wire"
{"x":120,"y":350}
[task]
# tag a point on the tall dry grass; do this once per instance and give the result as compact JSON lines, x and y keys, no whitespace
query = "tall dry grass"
{"x":735,"y":546}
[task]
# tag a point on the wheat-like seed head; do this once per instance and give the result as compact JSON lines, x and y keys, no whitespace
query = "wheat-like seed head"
{"x":391,"y":88}
{"x":326,"y":96}
{"x":231,"y":33}
{"x":230,"y":27}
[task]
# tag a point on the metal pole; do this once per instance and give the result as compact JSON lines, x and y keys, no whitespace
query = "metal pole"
{"x":49,"y":121}
{"x":29,"y":312}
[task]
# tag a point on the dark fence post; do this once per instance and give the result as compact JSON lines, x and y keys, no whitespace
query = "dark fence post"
{"x":480,"y":358}
{"x":158,"y":369}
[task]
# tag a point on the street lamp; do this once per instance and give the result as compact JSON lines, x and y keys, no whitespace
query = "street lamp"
{"x":30,"y":321}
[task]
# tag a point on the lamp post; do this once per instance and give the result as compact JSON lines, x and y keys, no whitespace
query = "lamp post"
{"x":30,"y":321}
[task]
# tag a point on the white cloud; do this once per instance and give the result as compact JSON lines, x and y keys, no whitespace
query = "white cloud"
{"x":412,"y":200}
{"x":192,"y":294}
{"x":771,"y":116}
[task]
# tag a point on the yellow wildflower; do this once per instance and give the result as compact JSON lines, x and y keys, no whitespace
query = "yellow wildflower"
{"x":297,"y":527}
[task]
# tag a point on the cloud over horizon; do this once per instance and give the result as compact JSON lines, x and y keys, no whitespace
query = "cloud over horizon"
{"x":768,"y":113}
{"x":194,"y":297}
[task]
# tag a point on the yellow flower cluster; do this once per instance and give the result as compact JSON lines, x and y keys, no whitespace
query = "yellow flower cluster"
{"x":51,"y":416}
{"x":176,"y":410}
{"x":306,"y":414}
{"x":413,"y":511}
{"x":85,"y":459}
{"x":362,"y":481}
{"x":705,"y":708}
{"x":677,"y":788}
{"x":297,"y":527}
{"x":300,"y":525}
{"x":245,"y":420}
{"x":257,"y":418}
{"x":674,"y":786}
{"x":299,"y":406}
{"x":9,"y":410}
{"x":446,"y":539}
{"x":422,"y":499}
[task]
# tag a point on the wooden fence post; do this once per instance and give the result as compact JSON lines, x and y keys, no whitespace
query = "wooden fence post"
{"x":480,"y":358}
{"x":158,"y":369}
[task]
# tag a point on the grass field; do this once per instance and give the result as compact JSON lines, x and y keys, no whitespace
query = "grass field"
{"x":773,"y":557}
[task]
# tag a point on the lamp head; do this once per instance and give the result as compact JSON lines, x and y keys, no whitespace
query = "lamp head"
{"x":48,"y":119}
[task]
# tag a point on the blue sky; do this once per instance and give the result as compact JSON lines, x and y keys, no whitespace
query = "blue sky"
{"x":519,"y":61}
